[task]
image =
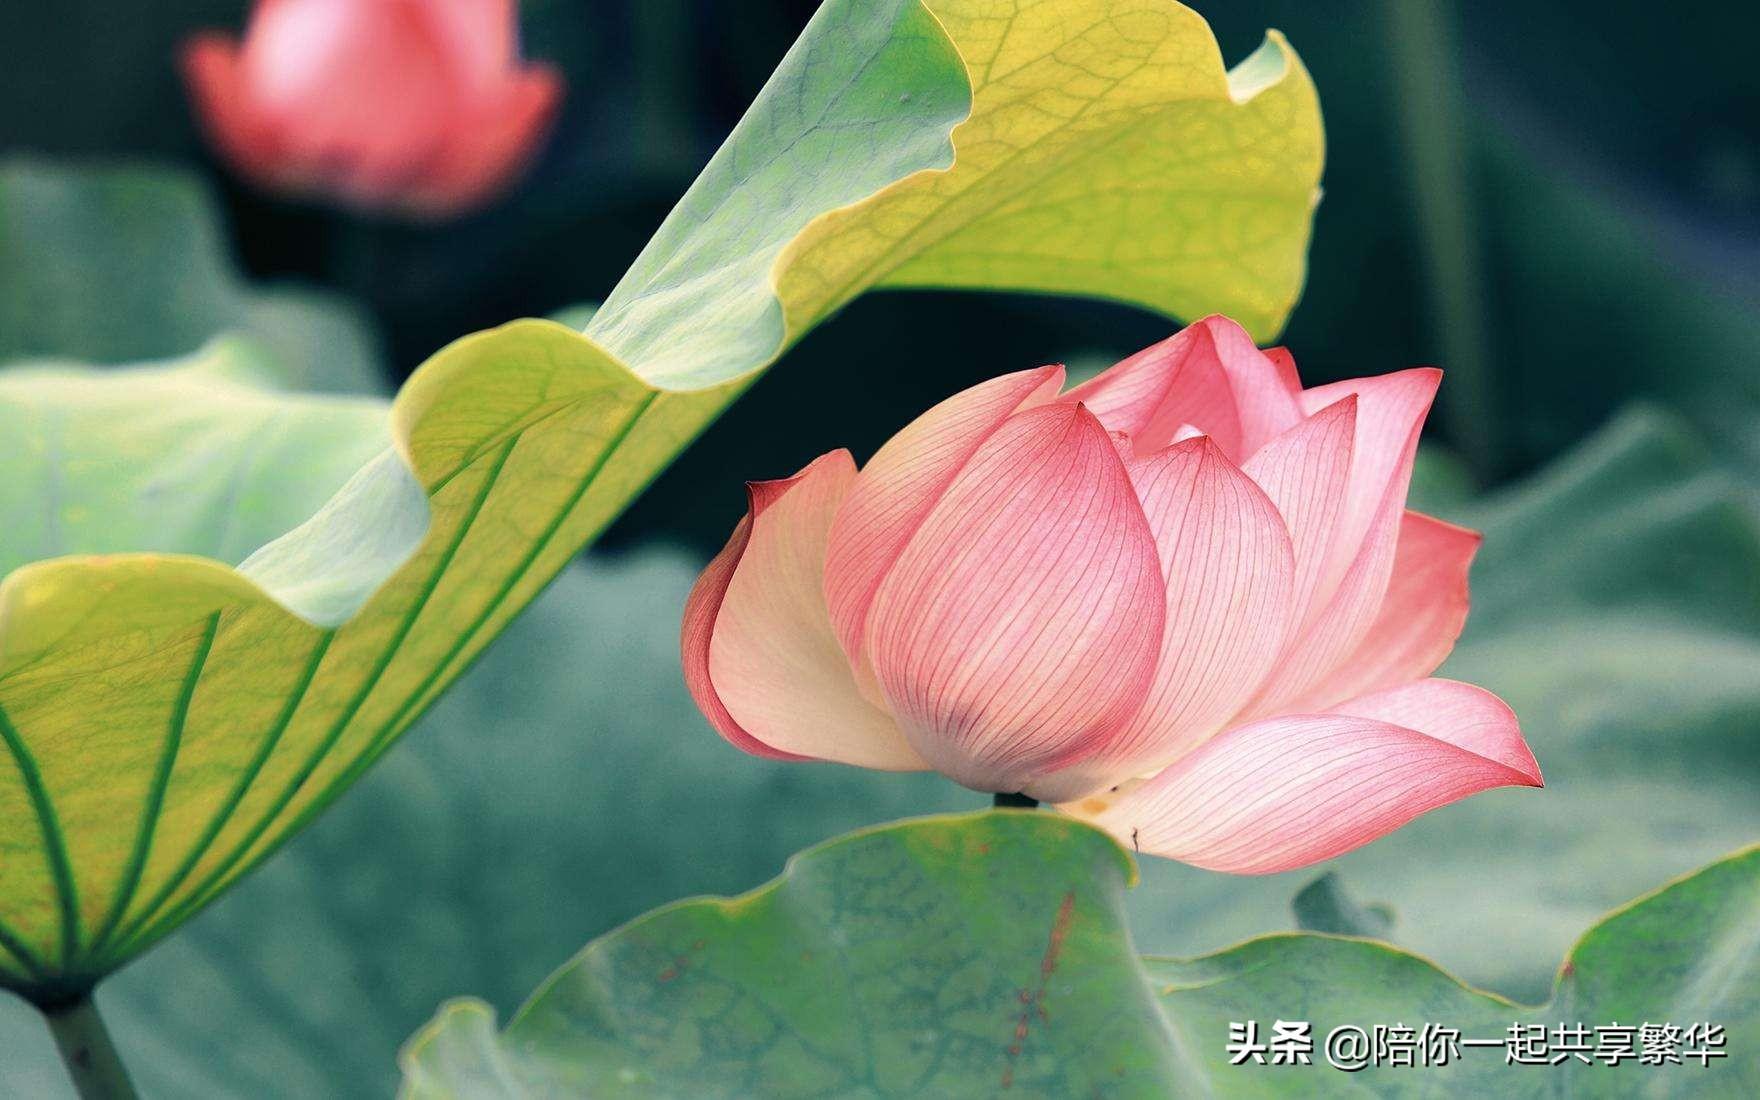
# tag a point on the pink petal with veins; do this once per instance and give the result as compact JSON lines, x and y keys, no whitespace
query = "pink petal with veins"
{"x":1304,"y":472}
{"x":1340,"y":612}
{"x":1227,"y":565}
{"x":1020,"y":626}
{"x":1420,"y":617}
{"x":1209,"y":375}
{"x":1291,"y":791}
{"x":759,"y":655}
{"x":1285,"y":365}
{"x":1390,"y":413}
{"x":894,"y":493}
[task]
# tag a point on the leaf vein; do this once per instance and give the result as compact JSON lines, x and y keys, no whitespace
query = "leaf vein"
{"x":249,"y":776}
{"x":67,"y":895}
{"x":150,"y":811}
{"x":218,"y":876}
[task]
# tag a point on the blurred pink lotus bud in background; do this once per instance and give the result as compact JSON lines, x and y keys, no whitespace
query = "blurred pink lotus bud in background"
{"x":421,"y":106}
{"x":1184,"y":600}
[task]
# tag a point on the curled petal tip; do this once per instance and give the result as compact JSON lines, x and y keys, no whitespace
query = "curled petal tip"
{"x":763,"y":493}
{"x":760,"y":657}
{"x":1224,"y":326}
{"x":1524,"y":764}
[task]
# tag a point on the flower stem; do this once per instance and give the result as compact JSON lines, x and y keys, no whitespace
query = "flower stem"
{"x":1017,"y":801}
{"x":1426,"y":69}
{"x":91,"y":1057}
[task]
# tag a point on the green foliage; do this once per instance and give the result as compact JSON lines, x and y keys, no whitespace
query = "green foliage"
{"x":1616,"y":607}
{"x":911,"y":960}
{"x":1325,"y":906}
{"x":243,"y":712}
{"x":564,"y":786}
{"x":967,"y":956}
{"x":941,"y":144}
{"x":119,"y":265}
{"x":1682,"y":955}
{"x":172,"y":718}
{"x":194,"y":458}
{"x":421,"y":887}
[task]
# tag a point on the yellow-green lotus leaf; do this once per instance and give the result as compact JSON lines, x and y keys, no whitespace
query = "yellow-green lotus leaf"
{"x":174,"y":710}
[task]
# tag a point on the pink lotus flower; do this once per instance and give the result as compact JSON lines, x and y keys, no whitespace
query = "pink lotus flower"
{"x":419,"y":105}
{"x":1185,"y":600}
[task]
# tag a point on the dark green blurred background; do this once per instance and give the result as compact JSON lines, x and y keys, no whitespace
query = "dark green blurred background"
{"x":1558,"y":202}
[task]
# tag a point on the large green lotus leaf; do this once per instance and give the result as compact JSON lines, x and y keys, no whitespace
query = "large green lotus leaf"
{"x":201,"y":457}
{"x":957,"y":956}
{"x":1616,"y":606}
{"x":1684,"y":955}
{"x":1098,"y":147}
{"x":987,"y":954}
{"x":173,"y":719}
{"x":289,"y":988}
{"x":111,"y":264}
{"x":305,"y":979}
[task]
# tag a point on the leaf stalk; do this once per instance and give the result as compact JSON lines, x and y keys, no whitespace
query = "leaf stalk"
{"x":92,"y":1062}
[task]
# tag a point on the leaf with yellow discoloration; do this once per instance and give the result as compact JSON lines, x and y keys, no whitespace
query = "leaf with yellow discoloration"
{"x":1107,"y":152}
{"x":174,"y":711}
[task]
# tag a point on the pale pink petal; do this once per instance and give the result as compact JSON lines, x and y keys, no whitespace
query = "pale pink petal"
{"x":1390,"y":414}
{"x":360,"y":95}
{"x":1287,"y":375}
{"x":1290,"y":791}
{"x":1353,"y":583}
{"x":759,"y":655}
{"x":1209,"y":375}
{"x":1420,"y":617}
{"x":480,"y":36}
{"x":1464,"y":715}
{"x":902,"y":482}
{"x":490,"y":146}
{"x":216,"y":84}
{"x":1020,"y":626}
{"x":1227,"y":564}
{"x":1322,"y":645}
{"x":700,"y":609}
{"x":1305,"y":472}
